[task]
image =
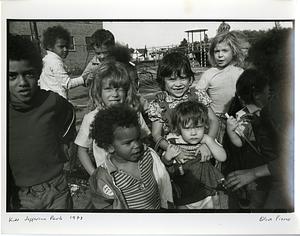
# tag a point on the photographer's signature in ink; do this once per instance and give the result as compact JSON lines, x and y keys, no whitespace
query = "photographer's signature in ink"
{"x":277,"y":218}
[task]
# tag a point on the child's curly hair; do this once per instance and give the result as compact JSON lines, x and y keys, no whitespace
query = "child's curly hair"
{"x":189,"y":111}
{"x":173,"y":62}
{"x":118,"y":77}
{"x":108,"y":120}
{"x":233,"y":41}
{"x":19,"y":48}
{"x":51,"y":34}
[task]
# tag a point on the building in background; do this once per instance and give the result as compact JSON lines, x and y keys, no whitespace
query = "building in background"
{"x":80,"y":51}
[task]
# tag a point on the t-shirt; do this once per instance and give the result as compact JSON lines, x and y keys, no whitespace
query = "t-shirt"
{"x":220,"y":85}
{"x":139,"y":193}
{"x":84,"y":140}
{"x":35,"y":138}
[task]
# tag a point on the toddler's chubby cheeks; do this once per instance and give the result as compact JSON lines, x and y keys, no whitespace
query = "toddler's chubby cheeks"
{"x":127,"y":145}
{"x":60,"y":48}
{"x":192,"y":133}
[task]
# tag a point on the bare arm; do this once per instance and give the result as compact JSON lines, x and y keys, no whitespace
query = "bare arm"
{"x":213,"y":123}
{"x":230,"y":127}
{"x":85,"y":159}
{"x":216,"y":149}
{"x":157,"y":135}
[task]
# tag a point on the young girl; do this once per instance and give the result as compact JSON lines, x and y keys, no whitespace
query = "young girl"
{"x":175,"y":77}
{"x":111,"y":85}
{"x":133,"y":176}
{"x":196,"y":180}
{"x":54,"y":76}
{"x":225,"y":55}
{"x":252,"y":90}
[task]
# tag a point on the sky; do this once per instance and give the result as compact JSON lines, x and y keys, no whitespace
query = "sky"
{"x":138,"y":34}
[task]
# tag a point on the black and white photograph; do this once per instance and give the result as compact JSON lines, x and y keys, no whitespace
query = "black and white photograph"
{"x":152,"y":120}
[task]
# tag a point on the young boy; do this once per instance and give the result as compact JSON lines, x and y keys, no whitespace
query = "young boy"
{"x":132,"y":177}
{"x":102,"y":42}
{"x":40,"y":123}
{"x":54,"y":77}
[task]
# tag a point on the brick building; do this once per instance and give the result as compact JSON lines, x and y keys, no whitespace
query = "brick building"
{"x":80,"y":51}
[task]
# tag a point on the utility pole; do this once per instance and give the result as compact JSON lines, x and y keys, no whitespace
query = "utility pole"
{"x":35,"y":35}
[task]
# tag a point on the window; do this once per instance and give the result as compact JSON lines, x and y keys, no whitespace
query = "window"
{"x":72,"y":44}
{"x":88,"y":44}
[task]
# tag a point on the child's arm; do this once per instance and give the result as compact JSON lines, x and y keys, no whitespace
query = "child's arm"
{"x":62,"y":76}
{"x":232,"y":123}
{"x":213,"y":123}
{"x":216,"y":149}
{"x":161,"y":142}
{"x":85,"y":159}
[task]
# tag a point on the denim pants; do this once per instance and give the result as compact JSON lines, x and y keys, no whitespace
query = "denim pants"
{"x":54,"y":194}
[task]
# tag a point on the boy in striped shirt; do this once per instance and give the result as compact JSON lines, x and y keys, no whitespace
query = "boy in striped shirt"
{"x":132,"y":177}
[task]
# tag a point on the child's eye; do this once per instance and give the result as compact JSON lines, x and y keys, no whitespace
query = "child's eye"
{"x":12,"y":76}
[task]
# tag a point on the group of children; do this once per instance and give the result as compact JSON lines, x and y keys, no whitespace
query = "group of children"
{"x":181,"y":170}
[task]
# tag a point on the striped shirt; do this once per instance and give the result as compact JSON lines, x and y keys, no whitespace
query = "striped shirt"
{"x":139,"y":193}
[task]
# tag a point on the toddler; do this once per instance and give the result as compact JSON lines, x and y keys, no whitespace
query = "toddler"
{"x":54,"y":76}
{"x":195,"y":181}
{"x":132,"y":176}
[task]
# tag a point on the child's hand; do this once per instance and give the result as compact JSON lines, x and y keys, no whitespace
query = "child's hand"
{"x":184,"y":157}
{"x":172,"y":152}
{"x":232,"y":123}
{"x":205,"y":153}
{"x":88,"y":78}
{"x":160,"y":96}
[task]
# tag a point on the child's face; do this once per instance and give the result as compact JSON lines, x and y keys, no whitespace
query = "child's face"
{"x":177,"y":85}
{"x":223,"y":54}
{"x":102,"y":52}
{"x":61,"y":48}
{"x":192,"y":134}
{"x":110,"y":95}
{"x":22,"y":80}
{"x":127,"y":145}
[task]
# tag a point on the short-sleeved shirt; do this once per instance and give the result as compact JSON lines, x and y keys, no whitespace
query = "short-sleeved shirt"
{"x":160,"y":109}
{"x":220,"y":85}
{"x":84,"y":140}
